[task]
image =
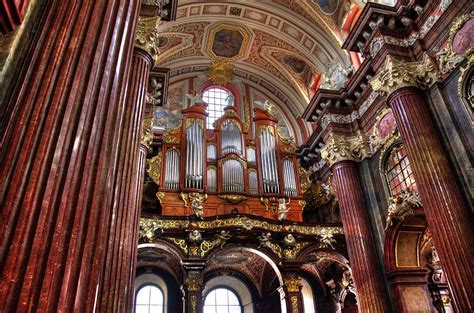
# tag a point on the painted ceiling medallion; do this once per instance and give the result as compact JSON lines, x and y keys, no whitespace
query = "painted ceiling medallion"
{"x":220,"y":72}
{"x":229,"y":41}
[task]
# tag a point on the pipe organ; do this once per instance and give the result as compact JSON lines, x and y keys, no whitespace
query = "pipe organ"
{"x":236,"y":171}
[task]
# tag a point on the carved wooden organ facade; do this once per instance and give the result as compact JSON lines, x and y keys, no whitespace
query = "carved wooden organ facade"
{"x":226,"y":169}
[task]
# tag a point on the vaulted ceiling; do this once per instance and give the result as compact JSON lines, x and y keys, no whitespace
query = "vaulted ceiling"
{"x":280,"y":46}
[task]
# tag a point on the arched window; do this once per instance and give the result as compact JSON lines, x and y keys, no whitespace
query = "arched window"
{"x":398,"y":171}
{"x":217,"y":99}
{"x":149,"y":300}
{"x":222,"y":300}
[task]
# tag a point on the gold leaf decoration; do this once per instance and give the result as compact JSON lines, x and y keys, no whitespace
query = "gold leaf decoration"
{"x":220,"y":72}
{"x":154,"y":168}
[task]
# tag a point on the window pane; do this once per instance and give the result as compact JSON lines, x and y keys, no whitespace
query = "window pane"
{"x":143,"y":295}
{"x":222,"y":300}
{"x":233,"y":299}
{"x":210,"y":309}
{"x":142,"y":309}
{"x":235,"y":309}
{"x":221,"y":295}
{"x":156,"y":296}
{"x":217,"y":99}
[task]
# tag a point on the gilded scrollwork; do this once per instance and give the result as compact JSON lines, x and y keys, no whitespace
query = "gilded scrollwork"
{"x":220,"y":72}
{"x":246,"y":115}
{"x":305,"y":179}
{"x":234,"y":199}
{"x":147,"y":133}
{"x":396,"y":74}
{"x":171,"y":136}
{"x":153,"y":168}
{"x":194,"y":283}
{"x":293,"y":284}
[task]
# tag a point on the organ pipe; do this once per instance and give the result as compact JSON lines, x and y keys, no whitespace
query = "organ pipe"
{"x":172,"y":169}
{"x":194,"y":155}
{"x":233,"y":176}
{"x":289,"y":177}
{"x":231,"y":140}
{"x":269,"y":162}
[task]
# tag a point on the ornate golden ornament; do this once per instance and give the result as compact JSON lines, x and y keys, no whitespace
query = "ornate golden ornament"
{"x":220,"y":72}
{"x":154,"y":168}
{"x":465,"y":82}
{"x":194,"y":303}
{"x":294,"y":304}
{"x":160,"y":195}
{"x":147,"y":34}
{"x":447,"y":58}
{"x":302,"y":204}
{"x":194,"y":201}
{"x":147,"y":133}
{"x":234,"y":199}
{"x":223,"y":26}
{"x":290,"y":148}
{"x":233,"y":157}
{"x":445,"y":300}
{"x":189,"y":122}
{"x":261,"y":129}
{"x":293,"y":284}
{"x":148,"y":225}
{"x":396,"y":74}
{"x":181,"y":243}
{"x":305,"y":179}
{"x":171,"y":136}
{"x":246,"y":115}
{"x":194,"y":283}
{"x":341,"y":148}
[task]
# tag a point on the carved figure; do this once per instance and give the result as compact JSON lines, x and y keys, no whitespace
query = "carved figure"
{"x":194,"y":98}
{"x":327,"y":240}
{"x":283,"y":209}
{"x":402,"y":206}
{"x":265,"y":241}
{"x":195,"y":236}
{"x":336,"y":76}
{"x":289,"y":241}
{"x":222,"y":238}
{"x":267,"y":106}
{"x":154,"y":94}
{"x":196,"y":201}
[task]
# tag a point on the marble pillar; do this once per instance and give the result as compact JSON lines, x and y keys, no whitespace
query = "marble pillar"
{"x":193,"y":297}
{"x":59,"y":156}
{"x":119,"y":267}
{"x":342,"y":153}
{"x":446,"y":213}
{"x":293,"y":295}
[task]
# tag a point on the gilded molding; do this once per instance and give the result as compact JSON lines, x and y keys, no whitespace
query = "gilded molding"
{"x":148,"y":225}
{"x":341,"y":148}
{"x":194,"y":283}
{"x":234,"y":199}
{"x":396,"y":74}
{"x":246,"y":115}
{"x":147,"y":34}
{"x":172,"y":135}
{"x":402,"y":206}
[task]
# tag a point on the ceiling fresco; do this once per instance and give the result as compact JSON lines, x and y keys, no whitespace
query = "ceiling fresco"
{"x":283,"y":48}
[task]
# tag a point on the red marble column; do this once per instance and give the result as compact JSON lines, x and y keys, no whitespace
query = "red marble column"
{"x":360,"y":242}
{"x":58,"y":156}
{"x":446,"y":213}
{"x":11,"y":14}
{"x":119,"y":266}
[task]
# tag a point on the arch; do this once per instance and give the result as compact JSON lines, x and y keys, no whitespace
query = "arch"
{"x":158,"y":296}
{"x":236,"y":286}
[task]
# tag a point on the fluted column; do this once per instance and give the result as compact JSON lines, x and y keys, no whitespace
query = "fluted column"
{"x":193,"y":297}
{"x":59,"y":156}
{"x":342,"y":154}
{"x":446,"y":213}
{"x":119,"y":266}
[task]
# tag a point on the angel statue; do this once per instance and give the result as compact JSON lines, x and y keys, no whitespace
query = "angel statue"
{"x":194,"y":97}
{"x":195,"y":236}
{"x":267,"y":106}
{"x":196,"y":202}
{"x":264,"y":240}
{"x":289,"y":241}
{"x":283,"y":209}
{"x":222,"y":238}
{"x":327,"y":240}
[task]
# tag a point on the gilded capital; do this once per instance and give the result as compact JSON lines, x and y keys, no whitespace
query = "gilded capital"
{"x":293,"y":284}
{"x":147,"y":34}
{"x":396,"y":74}
{"x":341,"y":148}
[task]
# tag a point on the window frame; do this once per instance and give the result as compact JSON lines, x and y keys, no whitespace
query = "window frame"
{"x":148,"y":284}
{"x":391,"y":192}
{"x":227,"y":288}
{"x":209,"y":125}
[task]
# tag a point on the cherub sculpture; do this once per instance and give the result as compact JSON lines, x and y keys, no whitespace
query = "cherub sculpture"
{"x":195,"y":236}
{"x":402,"y":206}
{"x":283,"y":209}
{"x":265,"y":241}
{"x":222,"y":238}
{"x":194,"y":97}
{"x":289,"y":241}
{"x":196,"y":202}
{"x":327,"y":240}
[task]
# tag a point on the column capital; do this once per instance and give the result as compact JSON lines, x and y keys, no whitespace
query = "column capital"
{"x":345,"y":148}
{"x":146,"y":37}
{"x":194,"y":283}
{"x":292,"y":283}
{"x":396,"y":74}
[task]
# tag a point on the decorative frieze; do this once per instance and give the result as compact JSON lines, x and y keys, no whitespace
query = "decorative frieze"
{"x":341,"y":148}
{"x":396,"y":74}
